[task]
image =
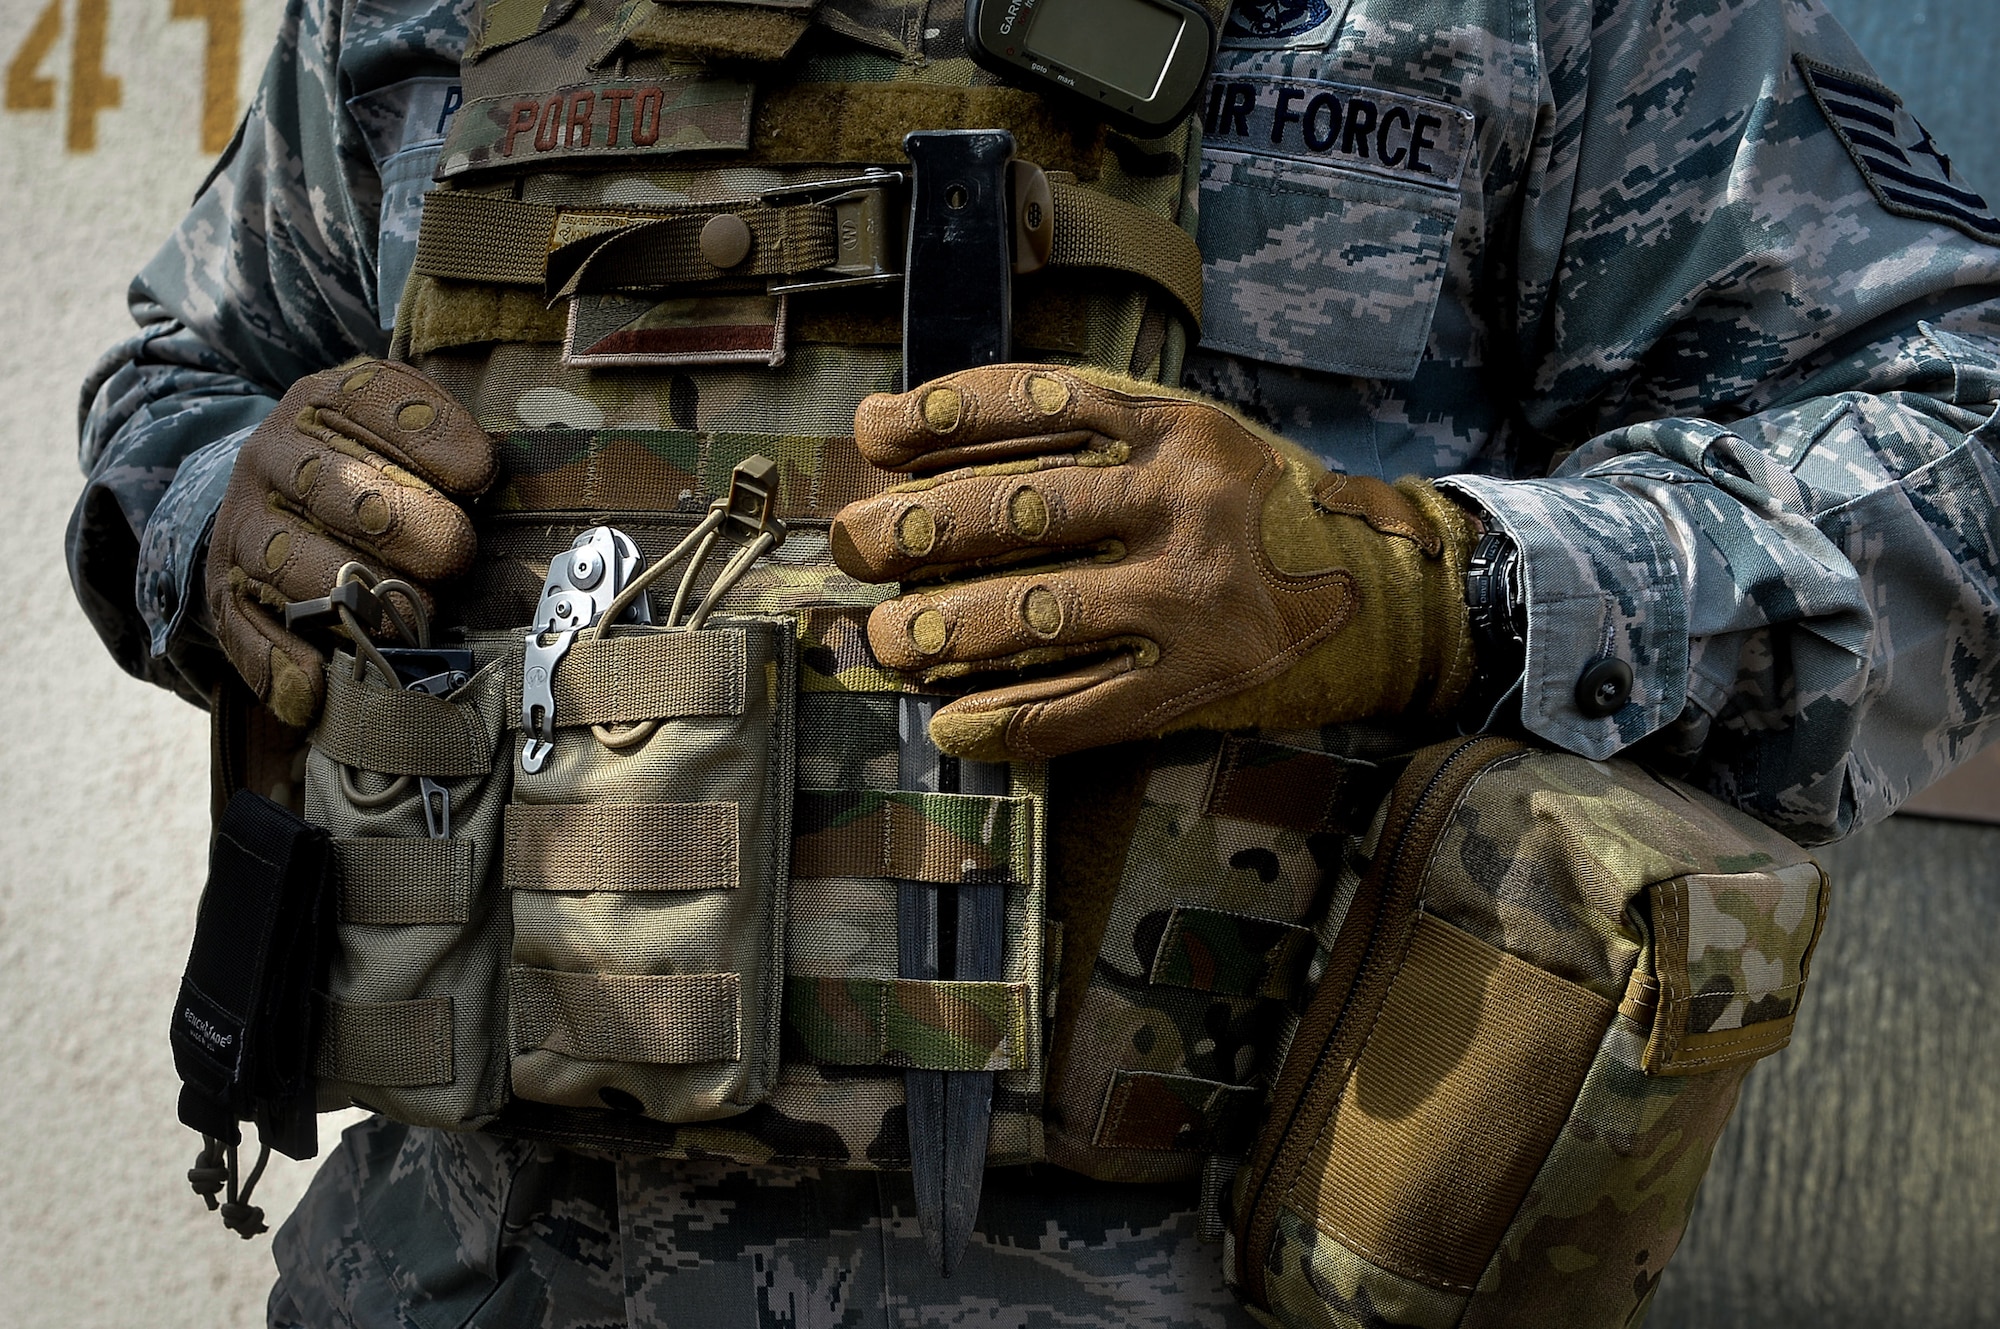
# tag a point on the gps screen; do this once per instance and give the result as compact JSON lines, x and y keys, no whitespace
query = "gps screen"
{"x":1123,"y":43}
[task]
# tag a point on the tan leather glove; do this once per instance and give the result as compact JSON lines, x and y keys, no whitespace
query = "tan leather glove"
{"x":361,"y":463}
{"x":1127,"y":559}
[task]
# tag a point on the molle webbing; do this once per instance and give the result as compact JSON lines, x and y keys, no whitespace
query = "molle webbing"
{"x":394,"y":732}
{"x":910,"y":837}
{"x":574,"y":470}
{"x":488,"y":239}
{"x":654,"y":1019}
{"x":622,"y":847}
{"x":1151,"y":1111}
{"x":395,"y":881}
{"x":406,"y":1044}
{"x":933,"y":1025}
{"x":619,"y":680}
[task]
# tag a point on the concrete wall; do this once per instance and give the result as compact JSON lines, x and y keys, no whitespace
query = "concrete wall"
{"x":102,"y":842}
{"x":102,"y":781}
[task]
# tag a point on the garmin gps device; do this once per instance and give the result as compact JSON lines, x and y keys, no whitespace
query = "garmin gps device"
{"x":1139,"y":63}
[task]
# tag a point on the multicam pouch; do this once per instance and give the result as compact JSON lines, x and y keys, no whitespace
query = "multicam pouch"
{"x":415,"y":1004}
{"x":1549,"y":979}
{"x":851,"y":1027}
{"x":646,"y":867}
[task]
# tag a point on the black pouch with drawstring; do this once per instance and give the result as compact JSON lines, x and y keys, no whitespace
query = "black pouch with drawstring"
{"x":245,"y":1021}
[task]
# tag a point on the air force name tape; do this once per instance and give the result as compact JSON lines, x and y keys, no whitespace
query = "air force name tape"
{"x":1904,"y":169}
{"x":1413,"y":140}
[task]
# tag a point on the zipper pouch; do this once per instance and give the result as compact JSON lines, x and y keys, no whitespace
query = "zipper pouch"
{"x":1548,"y":983}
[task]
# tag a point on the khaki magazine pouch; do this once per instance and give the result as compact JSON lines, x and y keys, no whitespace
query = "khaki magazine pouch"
{"x":1549,"y":982}
{"x":414,"y":998}
{"x":645,"y":869}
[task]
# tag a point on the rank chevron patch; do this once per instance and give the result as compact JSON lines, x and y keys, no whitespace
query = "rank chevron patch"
{"x":1902,"y":164}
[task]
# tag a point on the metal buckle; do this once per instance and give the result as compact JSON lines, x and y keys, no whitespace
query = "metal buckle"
{"x":868,"y":214}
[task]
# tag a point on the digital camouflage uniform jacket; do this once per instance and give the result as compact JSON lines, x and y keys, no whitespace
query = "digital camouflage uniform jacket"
{"x":1672,"y":289}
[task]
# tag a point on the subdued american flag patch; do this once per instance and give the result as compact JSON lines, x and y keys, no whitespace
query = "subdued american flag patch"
{"x":1902,"y":164}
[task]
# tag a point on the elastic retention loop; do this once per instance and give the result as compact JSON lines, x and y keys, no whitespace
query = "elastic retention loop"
{"x":215,"y":1172}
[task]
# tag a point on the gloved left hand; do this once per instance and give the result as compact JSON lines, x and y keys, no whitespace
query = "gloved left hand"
{"x":1110,"y":559}
{"x":369,"y":463}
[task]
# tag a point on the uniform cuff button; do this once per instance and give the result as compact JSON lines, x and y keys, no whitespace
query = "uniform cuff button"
{"x":1604,"y":688}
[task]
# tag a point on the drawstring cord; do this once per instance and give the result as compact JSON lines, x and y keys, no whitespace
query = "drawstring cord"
{"x":701,"y":540}
{"x":215,"y":1173}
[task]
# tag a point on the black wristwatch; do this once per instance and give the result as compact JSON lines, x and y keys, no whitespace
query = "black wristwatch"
{"x":1498,"y":613}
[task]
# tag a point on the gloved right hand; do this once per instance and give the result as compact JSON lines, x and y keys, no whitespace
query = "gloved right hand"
{"x":359,"y":464}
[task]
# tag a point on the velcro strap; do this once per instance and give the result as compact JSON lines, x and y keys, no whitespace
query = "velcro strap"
{"x":397,"y":732}
{"x":484,"y":238}
{"x":406,"y":1044}
{"x":655,"y":1019}
{"x":941,"y":838}
{"x":1232,"y":955}
{"x":702,"y":31}
{"x":863,"y":124}
{"x":667,"y":251}
{"x":914,"y":1023}
{"x":621,"y":847}
{"x":503,"y":241}
{"x":658,"y":676}
{"x":1294,"y":789}
{"x":395,"y":880}
{"x":1094,"y":230}
{"x":1178,"y":1113}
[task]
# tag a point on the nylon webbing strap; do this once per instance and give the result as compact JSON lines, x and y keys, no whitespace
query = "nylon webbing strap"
{"x":487,"y":238}
{"x":1296,"y":789}
{"x":655,"y":1019}
{"x":621,"y":847}
{"x":1094,"y":230}
{"x":1231,"y":954}
{"x":484,"y":238}
{"x":668,"y":251}
{"x":912,"y":1023}
{"x":396,"y":732}
{"x":395,"y":881}
{"x":1180,"y":1113}
{"x":942,"y":838}
{"x":660,"y":676}
{"x":406,"y":1044}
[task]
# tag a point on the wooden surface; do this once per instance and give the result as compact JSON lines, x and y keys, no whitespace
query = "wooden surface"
{"x":1859,"y":1183}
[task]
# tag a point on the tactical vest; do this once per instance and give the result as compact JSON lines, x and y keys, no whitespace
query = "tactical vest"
{"x":1500,"y":999}
{"x":656,"y":250}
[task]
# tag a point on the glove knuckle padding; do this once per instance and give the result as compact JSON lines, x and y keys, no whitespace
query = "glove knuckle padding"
{"x":393,"y":410}
{"x":1235,"y":598}
{"x":349,"y":467}
{"x":984,"y":518}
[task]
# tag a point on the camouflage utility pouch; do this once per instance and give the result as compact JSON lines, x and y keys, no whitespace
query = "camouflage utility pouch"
{"x":646,"y":867}
{"x":1549,"y":979}
{"x":411,"y":788}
